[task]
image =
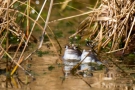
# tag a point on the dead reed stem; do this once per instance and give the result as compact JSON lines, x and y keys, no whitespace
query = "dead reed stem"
{"x":116,"y":20}
{"x":11,"y":28}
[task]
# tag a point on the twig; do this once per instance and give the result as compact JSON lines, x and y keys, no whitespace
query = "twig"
{"x":46,"y":23}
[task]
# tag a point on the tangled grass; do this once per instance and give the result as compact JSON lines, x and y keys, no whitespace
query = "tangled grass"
{"x":17,"y":25}
{"x":110,"y":26}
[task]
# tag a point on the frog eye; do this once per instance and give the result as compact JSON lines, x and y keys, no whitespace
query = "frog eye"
{"x":75,"y":47}
{"x":66,"y":47}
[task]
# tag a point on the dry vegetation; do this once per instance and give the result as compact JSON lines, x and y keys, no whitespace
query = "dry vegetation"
{"x":109,"y":26}
{"x":17,"y":25}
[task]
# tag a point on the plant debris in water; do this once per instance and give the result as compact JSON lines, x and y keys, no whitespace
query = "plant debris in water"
{"x":50,"y":68}
{"x":41,"y":53}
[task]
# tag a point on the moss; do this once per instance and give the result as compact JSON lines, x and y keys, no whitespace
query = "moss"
{"x":45,"y":73}
{"x":58,"y":34}
{"x":46,"y":38}
{"x":131,"y":55}
{"x":71,"y":31}
{"x":41,"y":53}
{"x":109,"y":44}
{"x":50,"y":68}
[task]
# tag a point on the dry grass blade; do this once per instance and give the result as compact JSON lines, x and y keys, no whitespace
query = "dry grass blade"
{"x":100,"y":37}
{"x":46,"y":23}
{"x":14,"y":82}
{"x":74,"y":69}
{"x":84,"y":80}
{"x":2,"y":52}
{"x":64,"y":4}
{"x":19,"y":61}
{"x":19,"y":46}
{"x":70,"y":17}
{"x":28,"y":21}
{"x":58,"y":55}
{"x":133,"y":23}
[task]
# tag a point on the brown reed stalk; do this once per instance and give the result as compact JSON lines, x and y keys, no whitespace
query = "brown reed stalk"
{"x":9,"y":26}
{"x":118,"y":20}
